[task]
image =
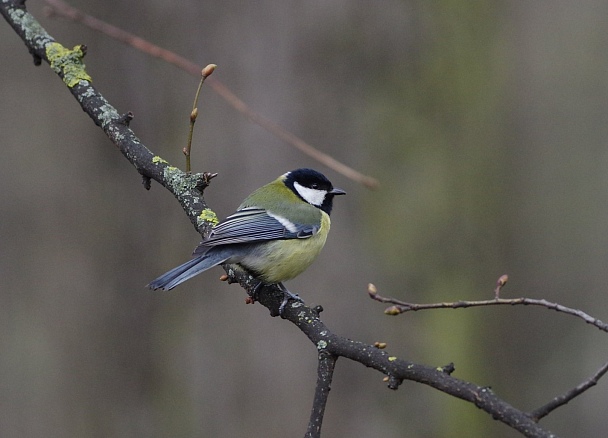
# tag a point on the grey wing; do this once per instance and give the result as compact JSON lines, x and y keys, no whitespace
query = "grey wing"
{"x":254,"y":224}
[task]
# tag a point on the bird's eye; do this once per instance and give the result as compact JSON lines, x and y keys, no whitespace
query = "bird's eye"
{"x":314,"y":186}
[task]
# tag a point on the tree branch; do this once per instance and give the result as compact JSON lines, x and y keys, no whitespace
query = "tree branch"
{"x":188,"y":189}
{"x":561,"y":400}
{"x":325,"y":372}
{"x":68,"y":65}
{"x":400,"y":307}
{"x":308,"y":321}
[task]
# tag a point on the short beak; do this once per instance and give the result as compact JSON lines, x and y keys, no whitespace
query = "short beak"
{"x":337,"y":191}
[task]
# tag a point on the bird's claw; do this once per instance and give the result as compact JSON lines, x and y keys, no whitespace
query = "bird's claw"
{"x":287,"y":295}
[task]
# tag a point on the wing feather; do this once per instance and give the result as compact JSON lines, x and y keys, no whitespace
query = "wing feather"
{"x":254,"y":224}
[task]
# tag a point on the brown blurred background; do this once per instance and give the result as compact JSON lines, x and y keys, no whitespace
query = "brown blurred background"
{"x":485,"y":123}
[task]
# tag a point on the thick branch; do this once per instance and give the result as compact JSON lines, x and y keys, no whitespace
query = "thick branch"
{"x":68,"y":65}
{"x":307,"y":320}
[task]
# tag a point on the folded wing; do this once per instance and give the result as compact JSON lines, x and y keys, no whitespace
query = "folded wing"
{"x":254,"y":224}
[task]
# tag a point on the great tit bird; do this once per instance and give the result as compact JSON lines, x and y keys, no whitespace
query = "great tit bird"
{"x":276,"y":233}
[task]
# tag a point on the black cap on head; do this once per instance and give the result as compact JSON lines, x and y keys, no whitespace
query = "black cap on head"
{"x":315,"y":181}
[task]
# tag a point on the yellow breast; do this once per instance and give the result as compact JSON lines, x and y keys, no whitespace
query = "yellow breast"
{"x":285,"y":259}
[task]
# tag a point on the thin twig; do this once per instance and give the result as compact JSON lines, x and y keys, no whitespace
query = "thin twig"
{"x":205,"y":73}
{"x":400,"y":307}
{"x":561,"y":400}
{"x":62,"y":9}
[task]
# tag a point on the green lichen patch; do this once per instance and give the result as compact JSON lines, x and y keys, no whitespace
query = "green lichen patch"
{"x":156,"y":160}
{"x":67,"y":63}
{"x":207,"y":216}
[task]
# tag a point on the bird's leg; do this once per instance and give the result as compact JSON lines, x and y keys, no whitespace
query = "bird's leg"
{"x":286,"y":296}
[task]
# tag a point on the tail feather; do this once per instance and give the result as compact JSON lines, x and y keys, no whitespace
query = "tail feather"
{"x":183,"y":272}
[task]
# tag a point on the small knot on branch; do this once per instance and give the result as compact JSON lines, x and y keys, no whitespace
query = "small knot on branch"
{"x":37,"y":59}
{"x":448,"y":369}
{"x":204,"y":180}
{"x":393,"y":382}
{"x":126,"y":118}
{"x":146,"y":181}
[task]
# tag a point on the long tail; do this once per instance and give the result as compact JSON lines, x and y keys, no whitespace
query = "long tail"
{"x":181,"y":273}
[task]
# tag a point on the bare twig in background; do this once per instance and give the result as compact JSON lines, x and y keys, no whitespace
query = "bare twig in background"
{"x":62,"y":9}
{"x":400,"y":307}
{"x":561,"y":400}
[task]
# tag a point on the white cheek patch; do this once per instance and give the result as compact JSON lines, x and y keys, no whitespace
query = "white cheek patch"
{"x":285,"y":222}
{"x":312,"y":196}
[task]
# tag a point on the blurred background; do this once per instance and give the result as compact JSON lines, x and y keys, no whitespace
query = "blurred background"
{"x":486,"y":124}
